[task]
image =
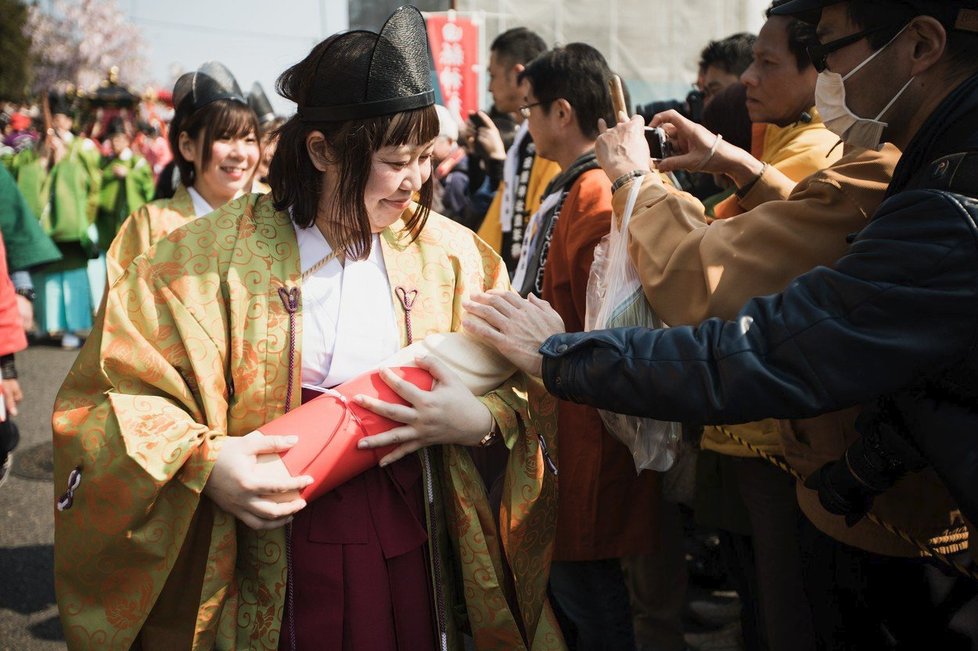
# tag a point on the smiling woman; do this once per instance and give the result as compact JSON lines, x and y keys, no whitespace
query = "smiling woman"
{"x":214,"y":139}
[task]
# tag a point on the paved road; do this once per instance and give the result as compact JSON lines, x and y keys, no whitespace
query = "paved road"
{"x":28,"y":615}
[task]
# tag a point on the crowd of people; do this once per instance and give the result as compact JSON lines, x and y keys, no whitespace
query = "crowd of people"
{"x":808,"y":236}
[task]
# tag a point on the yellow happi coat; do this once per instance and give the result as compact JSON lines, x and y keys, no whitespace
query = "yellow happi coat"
{"x":193,"y":346}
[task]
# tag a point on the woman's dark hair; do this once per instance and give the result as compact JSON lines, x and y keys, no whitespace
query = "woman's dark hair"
{"x":223,"y":118}
{"x":579,"y":74}
{"x":297,"y":185}
{"x":727,"y":115}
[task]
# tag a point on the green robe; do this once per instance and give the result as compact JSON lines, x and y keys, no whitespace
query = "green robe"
{"x":27,"y":245}
{"x":179,"y":361}
{"x":119,"y":198}
{"x":64,"y":198}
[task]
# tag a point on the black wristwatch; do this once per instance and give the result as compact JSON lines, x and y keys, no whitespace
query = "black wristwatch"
{"x":27,"y":292}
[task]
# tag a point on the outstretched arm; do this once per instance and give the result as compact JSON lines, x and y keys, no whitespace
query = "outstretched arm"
{"x":902,"y":303}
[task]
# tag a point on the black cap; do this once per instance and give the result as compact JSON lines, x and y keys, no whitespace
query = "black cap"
{"x":210,"y":82}
{"x":59,"y":102}
{"x":362,"y":75}
{"x":954,"y":14}
{"x":116,"y":126}
{"x":258,"y":101}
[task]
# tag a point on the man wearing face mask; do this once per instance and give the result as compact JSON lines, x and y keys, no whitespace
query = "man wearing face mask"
{"x":891,"y":327}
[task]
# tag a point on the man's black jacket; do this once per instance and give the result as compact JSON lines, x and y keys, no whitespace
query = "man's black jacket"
{"x":898,"y":311}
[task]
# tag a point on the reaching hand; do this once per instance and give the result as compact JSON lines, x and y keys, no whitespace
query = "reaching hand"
{"x":26,"y":310}
{"x":239,"y":485}
{"x":449,"y":413}
{"x":622,"y":148}
{"x":696,"y":149}
{"x":11,"y":396}
{"x":516,"y":327}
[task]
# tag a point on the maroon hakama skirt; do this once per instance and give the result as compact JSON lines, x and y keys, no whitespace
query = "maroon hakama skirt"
{"x":359,"y":574}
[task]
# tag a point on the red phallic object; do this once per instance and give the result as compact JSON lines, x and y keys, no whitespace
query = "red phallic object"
{"x":330,"y":425}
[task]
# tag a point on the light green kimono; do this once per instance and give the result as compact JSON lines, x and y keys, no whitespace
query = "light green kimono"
{"x":120,"y":197}
{"x":195,"y":346}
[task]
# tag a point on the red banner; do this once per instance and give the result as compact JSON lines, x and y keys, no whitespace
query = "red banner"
{"x":454,"y":42}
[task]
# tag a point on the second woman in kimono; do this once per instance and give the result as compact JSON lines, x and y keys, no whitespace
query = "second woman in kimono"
{"x":214,"y":139}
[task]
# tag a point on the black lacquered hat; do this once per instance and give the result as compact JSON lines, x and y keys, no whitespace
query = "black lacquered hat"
{"x":361,"y":74}
{"x":210,"y":82}
{"x":116,"y":126}
{"x":60,"y":102}
{"x":258,"y":101}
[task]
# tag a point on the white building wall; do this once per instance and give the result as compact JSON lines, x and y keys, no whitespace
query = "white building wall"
{"x":653,"y":44}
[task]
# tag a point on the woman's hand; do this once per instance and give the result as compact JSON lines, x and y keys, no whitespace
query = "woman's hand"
{"x":449,"y":413}
{"x":239,"y":485}
{"x":12,"y":395}
{"x":26,"y":310}
{"x":693,"y":149}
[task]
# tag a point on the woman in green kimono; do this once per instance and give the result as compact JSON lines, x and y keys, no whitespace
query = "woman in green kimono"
{"x":127,"y":184}
{"x":214,"y":139}
{"x":60,"y":182}
{"x":167,"y":534}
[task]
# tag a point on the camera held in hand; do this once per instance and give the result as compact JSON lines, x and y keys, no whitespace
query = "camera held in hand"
{"x":873,"y":463}
{"x":658,"y":144}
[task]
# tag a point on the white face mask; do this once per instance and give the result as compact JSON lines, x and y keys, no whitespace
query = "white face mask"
{"x":830,"y":100}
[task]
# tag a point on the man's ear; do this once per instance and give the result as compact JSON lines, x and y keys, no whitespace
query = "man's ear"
{"x":565,"y":112}
{"x":929,"y":45}
{"x":188,"y":148}
{"x":318,"y":149}
{"x":516,"y":70}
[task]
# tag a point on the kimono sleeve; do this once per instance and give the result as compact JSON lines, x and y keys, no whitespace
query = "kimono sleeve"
{"x":134,"y":238}
{"x":141,"y":416}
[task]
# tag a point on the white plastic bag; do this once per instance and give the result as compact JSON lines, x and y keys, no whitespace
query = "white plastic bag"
{"x":615,"y":299}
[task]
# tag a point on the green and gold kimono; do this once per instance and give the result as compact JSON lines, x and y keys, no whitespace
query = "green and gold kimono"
{"x":120,"y":197}
{"x":147,"y":226}
{"x":199,"y":341}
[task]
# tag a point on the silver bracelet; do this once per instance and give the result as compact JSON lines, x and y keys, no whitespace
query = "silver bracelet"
{"x":709,"y":156}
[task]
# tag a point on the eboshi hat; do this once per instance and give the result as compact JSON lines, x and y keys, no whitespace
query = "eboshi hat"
{"x":361,"y":74}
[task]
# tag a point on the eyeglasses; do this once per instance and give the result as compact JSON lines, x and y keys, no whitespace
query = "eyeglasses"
{"x":819,"y":52}
{"x":525,"y":109}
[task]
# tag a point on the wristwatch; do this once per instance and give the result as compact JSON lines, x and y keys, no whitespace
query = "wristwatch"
{"x":625,"y":178}
{"x":26,"y":292}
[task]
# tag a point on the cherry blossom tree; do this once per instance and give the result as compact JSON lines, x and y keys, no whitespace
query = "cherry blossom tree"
{"x":77,"y":41}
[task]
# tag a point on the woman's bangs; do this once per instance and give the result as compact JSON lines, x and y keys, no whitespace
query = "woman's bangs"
{"x":234,"y":120}
{"x":416,"y":127}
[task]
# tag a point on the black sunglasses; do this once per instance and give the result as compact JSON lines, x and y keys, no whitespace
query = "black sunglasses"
{"x":819,"y":52}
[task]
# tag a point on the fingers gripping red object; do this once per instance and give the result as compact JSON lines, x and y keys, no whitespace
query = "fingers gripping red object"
{"x":330,"y":425}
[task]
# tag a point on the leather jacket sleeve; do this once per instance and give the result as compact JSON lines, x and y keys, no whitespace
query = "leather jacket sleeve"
{"x":900,"y":305}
